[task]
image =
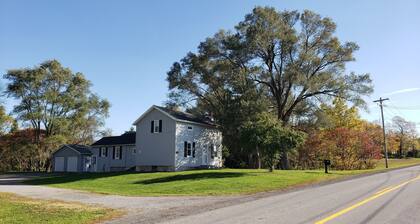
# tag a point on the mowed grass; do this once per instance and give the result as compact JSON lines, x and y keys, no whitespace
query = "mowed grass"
{"x":15,"y":209}
{"x":201,"y":182}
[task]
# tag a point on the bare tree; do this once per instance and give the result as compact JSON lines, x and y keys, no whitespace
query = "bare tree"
{"x":405,"y":131}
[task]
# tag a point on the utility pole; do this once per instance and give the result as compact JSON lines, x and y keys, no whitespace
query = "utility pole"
{"x":383,"y":127}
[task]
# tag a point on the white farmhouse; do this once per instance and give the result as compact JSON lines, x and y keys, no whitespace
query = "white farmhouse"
{"x":169,"y":140}
{"x":165,"y":140}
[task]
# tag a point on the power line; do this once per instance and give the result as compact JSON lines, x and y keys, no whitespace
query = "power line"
{"x":406,"y":108}
{"x":396,"y":108}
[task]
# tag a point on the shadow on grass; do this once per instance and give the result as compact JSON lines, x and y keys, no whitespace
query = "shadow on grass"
{"x":60,"y":178}
{"x":192,"y":176}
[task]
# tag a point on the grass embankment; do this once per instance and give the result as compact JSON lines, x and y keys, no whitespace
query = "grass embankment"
{"x":15,"y":209}
{"x":201,"y":182}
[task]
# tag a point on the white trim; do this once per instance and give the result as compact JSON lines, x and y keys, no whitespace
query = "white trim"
{"x":170,"y":116}
{"x":156,"y":126}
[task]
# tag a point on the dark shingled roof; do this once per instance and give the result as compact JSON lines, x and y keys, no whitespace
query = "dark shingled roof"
{"x":128,"y":138}
{"x":82,"y":149}
{"x":187,"y":116}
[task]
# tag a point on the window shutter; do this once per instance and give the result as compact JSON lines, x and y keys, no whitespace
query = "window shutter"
{"x":185,"y":149}
{"x":160,"y":125}
{"x":113,"y":152}
{"x":152,"y":126}
{"x":100,"y":151}
{"x":121,"y":152}
{"x":106,"y":151}
{"x":193,"y":152}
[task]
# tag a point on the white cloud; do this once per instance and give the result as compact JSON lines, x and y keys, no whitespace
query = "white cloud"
{"x":402,"y":91}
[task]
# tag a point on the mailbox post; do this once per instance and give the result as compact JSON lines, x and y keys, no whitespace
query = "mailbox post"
{"x":327,"y":162}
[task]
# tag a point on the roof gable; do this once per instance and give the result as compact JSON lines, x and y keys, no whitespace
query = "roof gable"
{"x":177,"y":116}
{"x":80,"y":149}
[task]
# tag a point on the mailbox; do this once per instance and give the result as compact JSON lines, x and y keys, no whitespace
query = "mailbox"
{"x":327,"y":163}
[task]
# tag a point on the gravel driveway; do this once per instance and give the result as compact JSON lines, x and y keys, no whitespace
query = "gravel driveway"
{"x":139,"y":209}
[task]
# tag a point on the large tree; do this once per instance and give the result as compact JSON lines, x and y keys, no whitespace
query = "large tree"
{"x":265,"y":134}
{"x":53,"y":98}
{"x":405,"y":133}
{"x":293,"y":58}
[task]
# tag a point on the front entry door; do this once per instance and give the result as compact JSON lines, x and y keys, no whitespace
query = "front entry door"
{"x":94,"y":167}
{"x":205,"y":157}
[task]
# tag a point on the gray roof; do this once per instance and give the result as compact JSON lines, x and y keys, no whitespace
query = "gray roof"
{"x":128,"y":138}
{"x":187,"y":116}
{"x":82,"y":149}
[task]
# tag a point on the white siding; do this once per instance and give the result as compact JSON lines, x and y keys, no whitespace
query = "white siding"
{"x":203,"y":137}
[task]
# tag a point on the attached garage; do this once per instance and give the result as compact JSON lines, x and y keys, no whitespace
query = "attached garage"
{"x":72,"y":158}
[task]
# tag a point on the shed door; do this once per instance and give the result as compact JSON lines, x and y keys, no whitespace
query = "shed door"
{"x":59,"y":164}
{"x":72,"y":164}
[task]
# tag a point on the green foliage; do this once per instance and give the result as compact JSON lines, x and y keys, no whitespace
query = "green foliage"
{"x":7,"y":123}
{"x":54,"y":99}
{"x":291,"y":57}
{"x":338,"y":115}
{"x":282,"y":60}
{"x":59,"y":107}
{"x":267,"y":133}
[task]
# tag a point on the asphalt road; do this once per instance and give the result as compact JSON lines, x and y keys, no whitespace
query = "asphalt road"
{"x":392,"y":197}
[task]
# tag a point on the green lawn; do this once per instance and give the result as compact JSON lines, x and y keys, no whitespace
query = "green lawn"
{"x":200,"y":182}
{"x":14,"y":209}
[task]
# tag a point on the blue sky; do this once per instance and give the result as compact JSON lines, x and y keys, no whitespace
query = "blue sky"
{"x":126,"y":47}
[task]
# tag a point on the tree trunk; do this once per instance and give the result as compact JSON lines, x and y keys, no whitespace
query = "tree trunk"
{"x":271,"y":167}
{"x":284,"y":161}
{"x":251,"y":163}
{"x":258,"y":158}
{"x":401,"y":149}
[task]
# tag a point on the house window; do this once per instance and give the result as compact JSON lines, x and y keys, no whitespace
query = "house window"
{"x":212,"y":151}
{"x":103,"y":152}
{"x":134,"y":150}
{"x":156,"y":126}
{"x":193,"y":149}
{"x":189,"y":149}
{"x":189,"y":128}
{"x":117,"y":152}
